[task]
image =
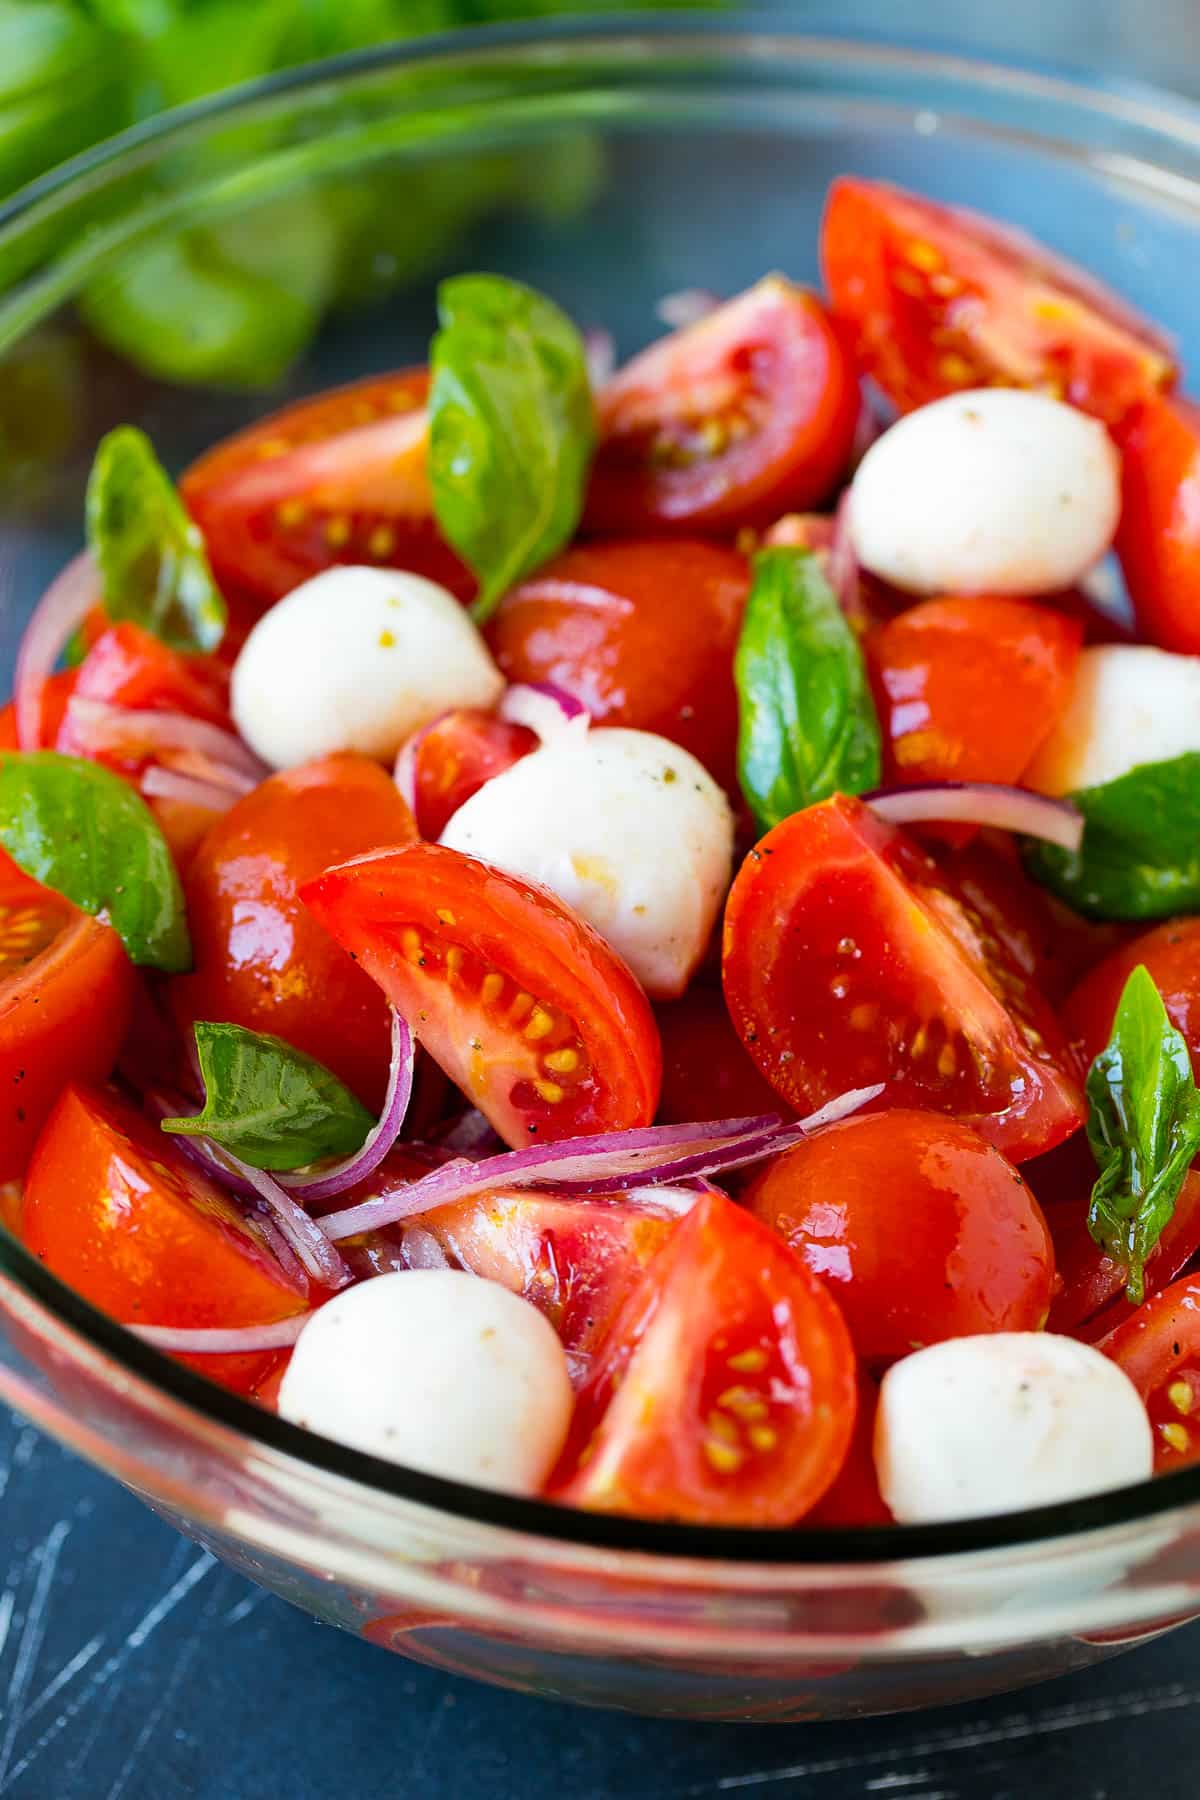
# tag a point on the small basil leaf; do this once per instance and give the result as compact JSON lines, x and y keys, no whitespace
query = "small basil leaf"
{"x":81,"y":830}
{"x":151,"y":557}
{"x":269,"y":1103}
{"x":807,"y":724}
{"x":1143,"y":1128}
{"x":512,"y":428}
{"x":1140,"y":857}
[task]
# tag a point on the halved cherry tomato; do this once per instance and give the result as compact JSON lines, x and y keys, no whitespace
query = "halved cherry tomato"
{"x":706,"y":1071}
{"x":967,"y":689}
{"x":1091,"y":1300}
{"x":523,"y":1005}
{"x":854,"y":1498}
{"x":259,"y":957}
{"x":1039,"y":934}
{"x":920,"y":1230}
{"x":1158,"y":540}
{"x":66,"y":993}
{"x":1159,"y":1350}
{"x":1171,"y":953}
{"x":114,"y":1207}
{"x":57,"y":693}
{"x":643,"y":632}
{"x":455,"y":756}
{"x":725,"y":1392}
{"x":942,"y":299}
{"x":729,"y":422}
{"x":851,"y":958}
{"x":337,"y":479}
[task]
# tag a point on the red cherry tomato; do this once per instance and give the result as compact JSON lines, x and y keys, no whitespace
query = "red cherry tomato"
{"x":854,"y":1498}
{"x":1159,"y":1350}
{"x":920,"y":1230}
{"x":337,"y":479}
{"x":259,"y":957}
{"x":127,"y":666}
{"x":522,"y":1004}
{"x":642,"y":632}
{"x":850,"y":958}
{"x":56,"y":694}
{"x":729,"y":422}
{"x":455,"y":756}
{"x":725,"y":1392}
{"x":115,"y":1208}
{"x":1171,"y":954}
{"x":942,"y":299}
{"x":1091,"y":1300}
{"x":1158,"y":540}
{"x":706,"y":1071}
{"x":1046,"y":940}
{"x":66,"y":994}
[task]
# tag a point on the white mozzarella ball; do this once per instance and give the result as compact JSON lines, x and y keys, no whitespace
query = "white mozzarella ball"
{"x":440,"y":1371}
{"x":1011,"y":1419}
{"x":628,"y":829}
{"x":1130,"y":704}
{"x":992,"y":491}
{"x":357,"y":659}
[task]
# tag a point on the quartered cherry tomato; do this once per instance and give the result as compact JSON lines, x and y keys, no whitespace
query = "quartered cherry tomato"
{"x":749,"y":413}
{"x":854,"y":1498}
{"x":642,"y":632}
{"x":851,"y":958}
{"x":725,"y":1391}
{"x":259,"y":957}
{"x":455,"y":756}
{"x":523,"y":1005}
{"x":706,"y":1071}
{"x":66,"y":993}
{"x":920,"y":1230}
{"x":337,"y":479}
{"x":113,"y":1207}
{"x":1171,"y":953}
{"x":1159,"y":1350}
{"x":942,"y":299}
{"x":1158,"y":540}
{"x":127,"y":666}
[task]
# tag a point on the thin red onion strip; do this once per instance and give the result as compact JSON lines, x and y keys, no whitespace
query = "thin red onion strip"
{"x":316,"y":1253}
{"x":104,"y":727}
{"x":324,"y":1184}
{"x":982,"y":803}
{"x":56,"y":617}
{"x":187,"y":790}
{"x":215,"y":1341}
{"x":546,"y":710}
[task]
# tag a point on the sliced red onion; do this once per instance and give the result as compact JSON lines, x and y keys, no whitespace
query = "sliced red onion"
{"x":324,"y":1184}
{"x":99,"y":726}
{"x":601,"y":352}
{"x":304,"y":1236}
{"x":214,"y":1341}
{"x":168,"y":784}
{"x":422,"y":1250}
{"x":982,"y":803}
{"x":56,"y":617}
{"x":687,"y":306}
{"x":472,"y":1136}
{"x":671,"y":1201}
{"x":548,"y":711}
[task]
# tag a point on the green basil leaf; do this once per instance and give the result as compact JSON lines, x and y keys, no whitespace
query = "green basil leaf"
{"x":1140,"y":857}
{"x":1143,"y":1128}
{"x":807,"y":726}
{"x":269,"y":1103}
{"x":512,"y":428}
{"x":151,"y":557}
{"x":81,"y":830}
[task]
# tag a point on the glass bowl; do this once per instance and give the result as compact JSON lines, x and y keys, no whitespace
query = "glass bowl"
{"x":627,"y":163}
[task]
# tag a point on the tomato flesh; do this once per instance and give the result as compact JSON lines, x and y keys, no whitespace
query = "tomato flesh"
{"x":851,"y":958}
{"x":921,"y":1231}
{"x":725,"y":1392}
{"x":455,"y":756}
{"x":1158,"y":539}
{"x":941,"y":299}
{"x":706,"y":1071}
{"x":749,"y":413}
{"x":854,"y":1498}
{"x":113,"y":1207}
{"x":1159,"y":1350}
{"x":523,"y":1005}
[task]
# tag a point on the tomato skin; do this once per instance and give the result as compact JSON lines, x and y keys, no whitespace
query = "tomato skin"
{"x":115,"y":1209}
{"x":851,"y":958}
{"x":726,"y":1333}
{"x":455,"y":756}
{"x":566,"y":1043}
{"x":1171,"y":954}
{"x":340,"y":478}
{"x":706,"y":1071}
{"x":66,"y":995}
{"x":854,"y":1498}
{"x":1158,"y":538}
{"x":920,"y":1230}
{"x":642,"y":632}
{"x":942,"y":299}
{"x":55,"y":695}
{"x":749,"y":413}
{"x":1092,"y":1300}
{"x":127,"y":666}
{"x":259,"y":957}
{"x":1159,"y":1350}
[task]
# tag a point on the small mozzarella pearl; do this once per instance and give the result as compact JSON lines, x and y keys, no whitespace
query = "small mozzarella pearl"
{"x":1130,"y":705}
{"x":357,"y":659}
{"x":992,"y":491}
{"x":628,"y":829}
{"x":440,"y":1371}
{"x":996,"y":1423}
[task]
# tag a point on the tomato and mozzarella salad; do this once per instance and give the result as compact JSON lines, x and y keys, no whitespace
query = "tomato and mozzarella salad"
{"x":635,"y":937}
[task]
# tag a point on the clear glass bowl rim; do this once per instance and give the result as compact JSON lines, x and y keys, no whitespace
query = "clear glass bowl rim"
{"x":714,"y":39}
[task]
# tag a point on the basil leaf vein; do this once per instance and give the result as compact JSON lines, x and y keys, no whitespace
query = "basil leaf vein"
{"x":1140,"y":856}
